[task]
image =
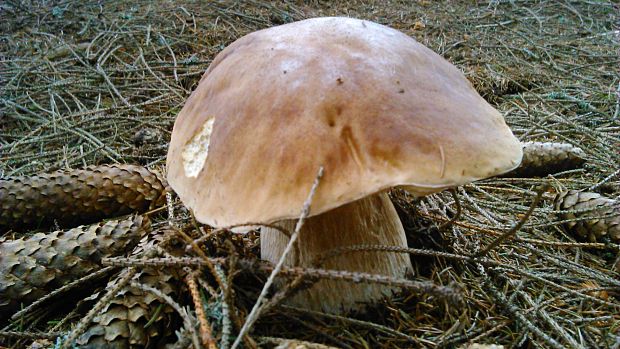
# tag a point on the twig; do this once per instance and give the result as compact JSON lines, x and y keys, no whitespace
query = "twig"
{"x":226,"y":323}
{"x":187,"y":321}
{"x":608,"y":178}
{"x":116,"y":91}
{"x":200,"y":253}
{"x":365,"y":324}
{"x":206,"y":333}
{"x":516,"y":227}
{"x":30,"y":335}
{"x":551,"y":322}
{"x":157,"y":77}
{"x":62,"y":289}
{"x":518,"y":313}
{"x":96,"y":309}
{"x":444,"y":292}
{"x":456,"y":216}
{"x":559,"y":244}
{"x":254,"y":313}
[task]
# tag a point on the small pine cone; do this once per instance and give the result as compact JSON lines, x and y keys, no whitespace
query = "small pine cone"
{"x":75,"y":197}
{"x":32,"y":267}
{"x":122,"y":323}
{"x":541,"y":159}
{"x":595,"y":205}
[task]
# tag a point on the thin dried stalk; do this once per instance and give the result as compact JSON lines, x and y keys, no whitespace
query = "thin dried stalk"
{"x":253,"y":316}
{"x":206,"y":333}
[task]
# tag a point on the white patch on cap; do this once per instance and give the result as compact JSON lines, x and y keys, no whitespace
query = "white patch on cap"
{"x":196,"y":150}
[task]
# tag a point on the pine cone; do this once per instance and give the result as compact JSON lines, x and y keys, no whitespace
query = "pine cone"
{"x":541,"y":159}
{"x":75,"y":197}
{"x":32,"y":267}
{"x":122,"y":323}
{"x":606,"y":210}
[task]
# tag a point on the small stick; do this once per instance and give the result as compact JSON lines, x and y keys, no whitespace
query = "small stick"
{"x":96,"y":309}
{"x":107,"y":79}
{"x":201,"y":254}
{"x":457,"y":202}
{"x":361,"y":323}
{"x":254,"y":313}
{"x":595,"y":245}
{"x":180,"y":310}
{"x":206,"y":333}
{"x":518,"y":314}
{"x":516,"y":227}
{"x":606,"y":179}
{"x":30,"y":335}
{"x":64,"y":288}
{"x":226,"y":316}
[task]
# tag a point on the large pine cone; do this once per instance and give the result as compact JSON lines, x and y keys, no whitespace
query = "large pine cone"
{"x":75,"y":197}
{"x":605,"y":223}
{"x":122,"y":323}
{"x":32,"y":267}
{"x":541,"y":159}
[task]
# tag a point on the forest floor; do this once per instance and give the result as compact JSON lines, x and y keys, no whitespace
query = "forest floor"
{"x":86,"y":83}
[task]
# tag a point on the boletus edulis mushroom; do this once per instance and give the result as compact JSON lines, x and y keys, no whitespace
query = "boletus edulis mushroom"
{"x":371,"y":105}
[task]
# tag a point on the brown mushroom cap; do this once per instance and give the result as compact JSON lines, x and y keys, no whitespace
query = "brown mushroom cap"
{"x":373,"y":106}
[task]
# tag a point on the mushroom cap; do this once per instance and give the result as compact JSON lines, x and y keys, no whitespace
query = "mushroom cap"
{"x":370,"y":104}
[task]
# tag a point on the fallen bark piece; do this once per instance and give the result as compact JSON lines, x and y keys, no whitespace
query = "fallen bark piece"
{"x":598,"y":217}
{"x":122,"y":324}
{"x":74,"y":197}
{"x":543,"y":158}
{"x":32,"y":267}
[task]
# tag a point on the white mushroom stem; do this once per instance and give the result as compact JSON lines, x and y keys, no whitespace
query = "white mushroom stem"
{"x":372,"y":220}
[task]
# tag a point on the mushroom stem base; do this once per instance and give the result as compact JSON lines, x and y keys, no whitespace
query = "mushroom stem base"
{"x":370,"y":221}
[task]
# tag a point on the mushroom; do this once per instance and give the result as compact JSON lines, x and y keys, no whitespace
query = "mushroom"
{"x":371,"y":105}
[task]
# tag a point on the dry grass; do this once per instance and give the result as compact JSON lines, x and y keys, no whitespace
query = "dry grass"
{"x":84,"y":84}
